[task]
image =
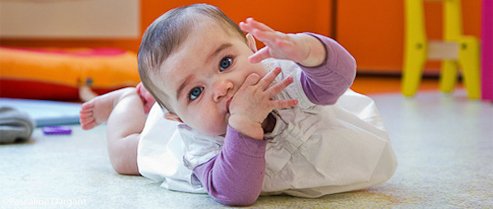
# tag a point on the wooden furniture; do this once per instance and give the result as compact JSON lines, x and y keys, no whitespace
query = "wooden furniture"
{"x":455,"y":51}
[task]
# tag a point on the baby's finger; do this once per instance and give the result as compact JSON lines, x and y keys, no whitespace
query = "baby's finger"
{"x":282,"y":104}
{"x":260,"y":55}
{"x":267,"y":37}
{"x":265,"y":82}
{"x":257,"y":24}
{"x":246,"y":27}
{"x":278,"y":87}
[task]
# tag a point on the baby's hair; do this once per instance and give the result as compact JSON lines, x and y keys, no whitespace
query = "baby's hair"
{"x":166,"y":34}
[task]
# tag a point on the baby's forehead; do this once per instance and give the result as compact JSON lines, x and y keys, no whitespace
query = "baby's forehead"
{"x":204,"y":40}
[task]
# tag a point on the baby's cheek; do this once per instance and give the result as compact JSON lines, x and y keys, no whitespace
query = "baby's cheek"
{"x":221,"y":126}
{"x":217,"y":127}
{"x":209,"y":124}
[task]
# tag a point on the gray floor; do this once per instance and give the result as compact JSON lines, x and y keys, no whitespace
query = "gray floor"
{"x":444,"y":145}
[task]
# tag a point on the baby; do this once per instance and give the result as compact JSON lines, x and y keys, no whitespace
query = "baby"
{"x":248,"y":122}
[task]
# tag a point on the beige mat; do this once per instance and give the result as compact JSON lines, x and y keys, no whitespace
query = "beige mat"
{"x":444,"y":146}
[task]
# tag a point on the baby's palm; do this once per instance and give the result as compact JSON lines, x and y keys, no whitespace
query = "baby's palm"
{"x":254,"y":101}
{"x":278,"y":45}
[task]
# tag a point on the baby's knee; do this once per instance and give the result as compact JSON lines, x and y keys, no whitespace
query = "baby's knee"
{"x":123,"y":167}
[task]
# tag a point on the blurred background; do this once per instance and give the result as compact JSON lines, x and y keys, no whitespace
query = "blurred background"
{"x":373,"y":31}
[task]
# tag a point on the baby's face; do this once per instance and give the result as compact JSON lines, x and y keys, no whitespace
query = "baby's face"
{"x":203,"y":75}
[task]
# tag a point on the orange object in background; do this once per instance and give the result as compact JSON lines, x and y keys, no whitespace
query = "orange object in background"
{"x":31,"y":81}
{"x":374,"y":32}
{"x":283,"y":15}
{"x":371,"y":31}
{"x":58,"y":74}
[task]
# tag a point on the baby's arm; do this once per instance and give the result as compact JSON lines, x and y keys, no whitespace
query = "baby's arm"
{"x":328,"y":69}
{"x":325,"y":83}
{"x":235,"y":175}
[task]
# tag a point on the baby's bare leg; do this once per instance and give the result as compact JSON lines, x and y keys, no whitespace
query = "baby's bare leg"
{"x":124,"y":125}
{"x":97,"y":110}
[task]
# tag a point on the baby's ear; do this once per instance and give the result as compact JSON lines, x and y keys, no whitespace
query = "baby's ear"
{"x":172,"y":116}
{"x":251,"y":42}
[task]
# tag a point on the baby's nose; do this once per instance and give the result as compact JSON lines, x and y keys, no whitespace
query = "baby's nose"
{"x":221,"y":89}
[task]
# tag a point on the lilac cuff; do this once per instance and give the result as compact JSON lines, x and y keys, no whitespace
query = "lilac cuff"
{"x":235,"y":176}
{"x":324,"y":84}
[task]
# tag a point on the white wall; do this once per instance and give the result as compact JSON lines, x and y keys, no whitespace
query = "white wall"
{"x":69,"y":18}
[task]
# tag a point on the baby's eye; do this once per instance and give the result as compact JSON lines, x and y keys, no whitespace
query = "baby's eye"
{"x":195,"y":93}
{"x":225,"y":63}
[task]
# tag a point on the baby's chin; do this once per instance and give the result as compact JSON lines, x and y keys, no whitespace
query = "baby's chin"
{"x":211,"y":132}
{"x":216,"y":132}
{"x":219,"y":133}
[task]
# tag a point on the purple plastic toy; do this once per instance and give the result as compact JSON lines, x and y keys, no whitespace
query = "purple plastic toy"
{"x":57,"y":130}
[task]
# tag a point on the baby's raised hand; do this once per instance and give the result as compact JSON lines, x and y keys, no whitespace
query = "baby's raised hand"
{"x":253,"y":102}
{"x":301,"y":48}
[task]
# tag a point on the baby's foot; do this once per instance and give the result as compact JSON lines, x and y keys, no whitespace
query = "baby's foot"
{"x":98,"y":109}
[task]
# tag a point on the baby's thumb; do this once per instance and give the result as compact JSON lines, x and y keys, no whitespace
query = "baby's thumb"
{"x":260,"y":55}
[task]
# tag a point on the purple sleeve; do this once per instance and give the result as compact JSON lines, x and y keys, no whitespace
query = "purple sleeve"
{"x":235,"y":176}
{"x":324,"y":84}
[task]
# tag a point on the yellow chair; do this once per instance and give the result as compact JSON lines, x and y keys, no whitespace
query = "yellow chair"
{"x":454,"y":51}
